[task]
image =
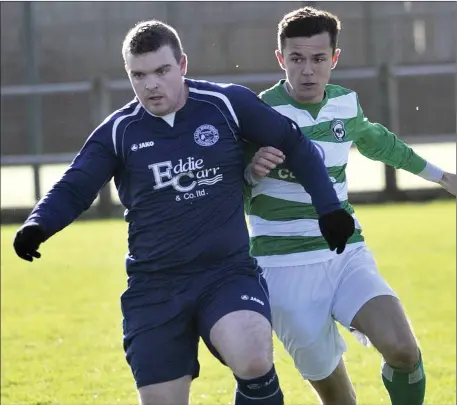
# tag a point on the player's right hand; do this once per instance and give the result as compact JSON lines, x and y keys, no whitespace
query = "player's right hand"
{"x":27,"y":241}
{"x":265,"y":160}
{"x":449,"y":183}
{"x":337,"y":227}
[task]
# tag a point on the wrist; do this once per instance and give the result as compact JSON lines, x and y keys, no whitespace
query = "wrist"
{"x":31,"y":223}
{"x":444,"y":179}
{"x":432,"y":173}
{"x":37,"y":226}
{"x":250,"y":177}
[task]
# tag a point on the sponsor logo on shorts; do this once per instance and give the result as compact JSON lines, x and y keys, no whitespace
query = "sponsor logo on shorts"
{"x":248,"y":298}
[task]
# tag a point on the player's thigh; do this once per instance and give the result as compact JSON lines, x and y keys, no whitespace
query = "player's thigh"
{"x":235,"y":323}
{"x":365,"y":302}
{"x":174,"y":392}
{"x":301,"y":298}
{"x":358,"y":281}
{"x":384,"y":322}
{"x":160,"y":332}
{"x":337,"y":388}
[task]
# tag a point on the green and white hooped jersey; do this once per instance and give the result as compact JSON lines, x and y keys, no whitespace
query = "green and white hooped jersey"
{"x":283,"y":222}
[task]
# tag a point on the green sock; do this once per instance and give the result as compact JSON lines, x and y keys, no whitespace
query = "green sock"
{"x":405,"y":388}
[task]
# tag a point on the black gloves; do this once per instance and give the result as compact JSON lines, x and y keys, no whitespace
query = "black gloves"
{"x":337,"y":227}
{"x":27,"y":241}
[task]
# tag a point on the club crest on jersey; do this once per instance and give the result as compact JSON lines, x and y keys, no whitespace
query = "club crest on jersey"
{"x":338,"y":130}
{"x":206,"y":135}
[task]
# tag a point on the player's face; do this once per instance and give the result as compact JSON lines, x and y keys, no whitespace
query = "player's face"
{"x":157,"y":79}
{"x":308,"y":62}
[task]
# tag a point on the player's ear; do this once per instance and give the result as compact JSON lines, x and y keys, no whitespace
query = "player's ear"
{"x":335,"y":58}
{"x":280,"y":59}
{"x":183,"y":64}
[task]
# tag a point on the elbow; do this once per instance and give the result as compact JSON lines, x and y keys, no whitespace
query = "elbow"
{"x":289,"y":147}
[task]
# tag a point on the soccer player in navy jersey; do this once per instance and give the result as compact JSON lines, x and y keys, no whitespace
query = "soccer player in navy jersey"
{"x":175,"y":153}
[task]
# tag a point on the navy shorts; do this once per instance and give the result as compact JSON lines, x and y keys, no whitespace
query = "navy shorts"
{"x":165,"y":314}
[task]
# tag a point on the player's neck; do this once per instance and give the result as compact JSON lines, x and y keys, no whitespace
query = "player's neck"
{"x":292,"y":94}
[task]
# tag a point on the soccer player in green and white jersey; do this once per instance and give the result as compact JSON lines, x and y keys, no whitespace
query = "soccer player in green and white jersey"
{"x":311,"y":286}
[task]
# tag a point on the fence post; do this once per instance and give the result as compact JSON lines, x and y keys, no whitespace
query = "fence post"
{"x":33,"y":102}
{"x":101,"y":105}
{"x":455,"y":89}
{"x":388,"y":100}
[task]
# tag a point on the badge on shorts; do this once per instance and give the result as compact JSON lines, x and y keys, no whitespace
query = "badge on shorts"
{"x":338,"y":130}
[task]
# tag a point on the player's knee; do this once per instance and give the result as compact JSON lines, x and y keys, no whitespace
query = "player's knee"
{"x":401,"y":353}
{"x":244,"y":341}
{"x":258,"y":355}
{"x":255,"y":365}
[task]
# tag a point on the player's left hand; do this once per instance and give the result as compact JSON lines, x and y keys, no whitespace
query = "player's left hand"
{"x":27,"y":241}
{"x":449,"y":183}
{"x":265,"y":160}
{"x":337,"y":227}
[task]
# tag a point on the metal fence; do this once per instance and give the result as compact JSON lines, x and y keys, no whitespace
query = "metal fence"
{"x":384,"y":91}
{"x":102,"y":91}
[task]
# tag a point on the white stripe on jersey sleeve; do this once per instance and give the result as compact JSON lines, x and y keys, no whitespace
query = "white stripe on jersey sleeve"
{"x":221,"y":96}
{"x":118,"y":121}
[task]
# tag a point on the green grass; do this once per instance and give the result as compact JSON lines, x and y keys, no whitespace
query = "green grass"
{"x":61,"y":320}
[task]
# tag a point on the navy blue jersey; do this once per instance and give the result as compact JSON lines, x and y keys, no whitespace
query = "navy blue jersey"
{"x":180,"y":177}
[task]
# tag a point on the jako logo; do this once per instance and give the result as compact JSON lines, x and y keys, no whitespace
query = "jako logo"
{"x":142,"y":145}
{"x":247,"y":298}
{"x":258,"y":386}
{"x":146,"y":144}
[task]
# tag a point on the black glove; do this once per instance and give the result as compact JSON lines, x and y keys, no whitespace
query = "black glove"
{"x":27,"y":241}
{"x":337,"y":227}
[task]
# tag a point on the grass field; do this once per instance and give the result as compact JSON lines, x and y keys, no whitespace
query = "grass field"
{"x":61,"y":321}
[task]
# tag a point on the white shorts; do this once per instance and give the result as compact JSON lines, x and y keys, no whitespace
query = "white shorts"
{"x":306,"y":300}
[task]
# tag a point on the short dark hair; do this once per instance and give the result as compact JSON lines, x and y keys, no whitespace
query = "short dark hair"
{"x":149,"y":36}
{"x":306,"y":22}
